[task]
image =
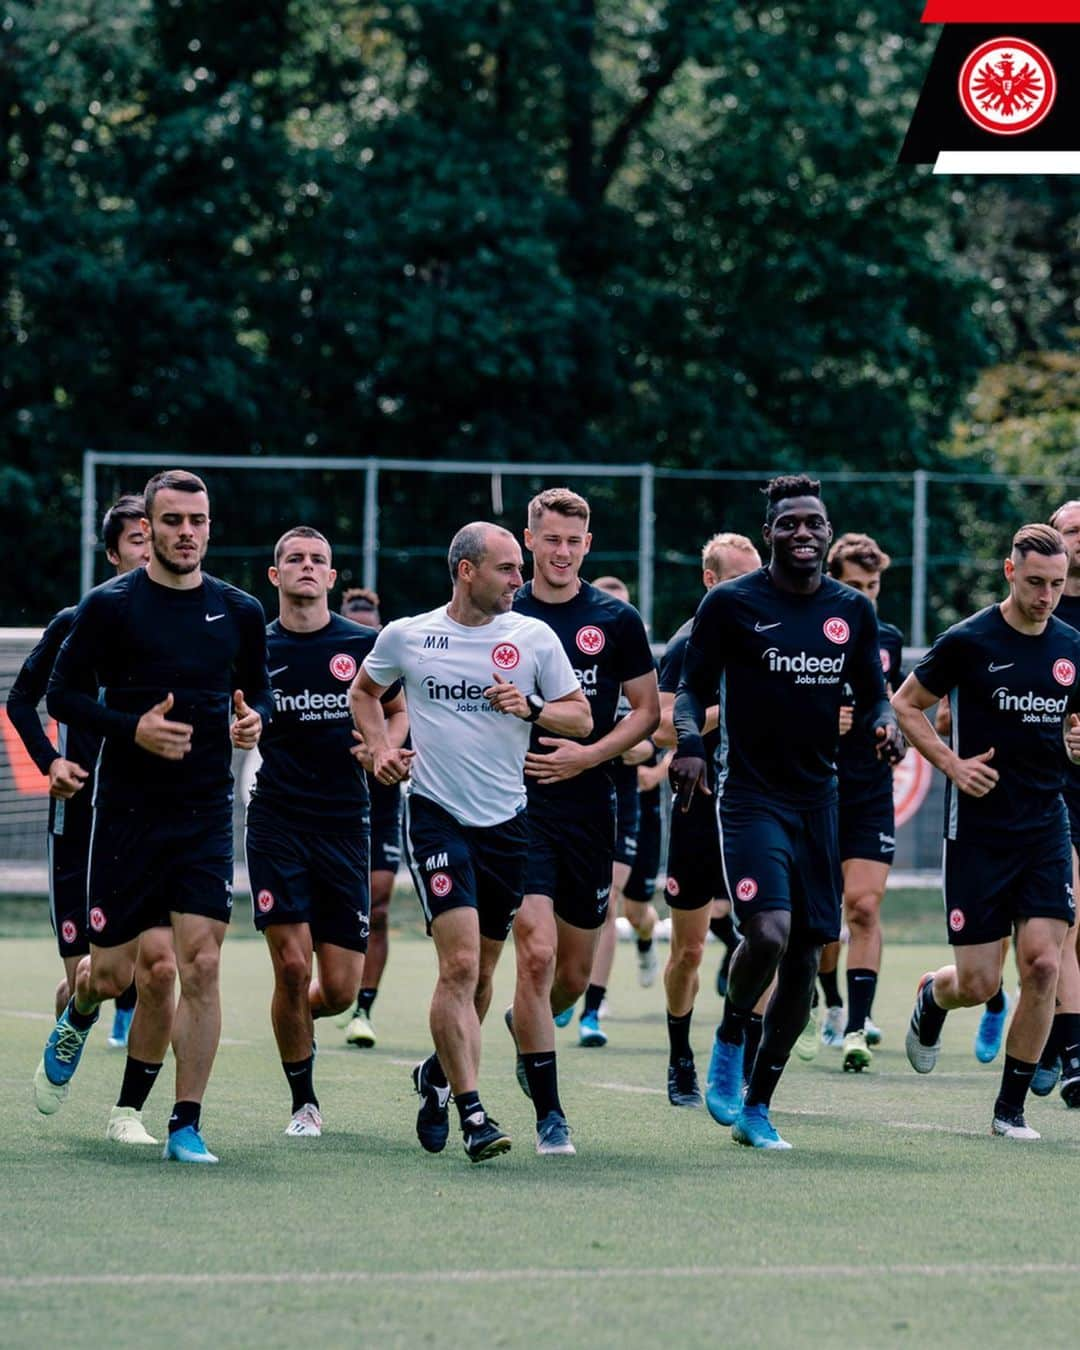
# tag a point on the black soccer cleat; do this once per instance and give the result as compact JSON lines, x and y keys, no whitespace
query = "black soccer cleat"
{"x":433,"y":1118}
{"x":483,"y":1137}
{"x":682,"y":1084}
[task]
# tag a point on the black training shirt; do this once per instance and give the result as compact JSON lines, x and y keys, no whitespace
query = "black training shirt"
{"x":670,"y":674}
{"x":858,"y":767}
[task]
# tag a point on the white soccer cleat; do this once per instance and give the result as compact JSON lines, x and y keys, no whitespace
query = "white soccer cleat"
{"x":1014,"y":1129}
{"x":648,"y":964}
{"x":832,"y":1027}
{"x":126,"y":1127}
{"x":305,"y":1123}
{"x":360,"y":1032}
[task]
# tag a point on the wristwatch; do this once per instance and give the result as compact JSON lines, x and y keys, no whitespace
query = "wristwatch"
{"x":536,"y":706}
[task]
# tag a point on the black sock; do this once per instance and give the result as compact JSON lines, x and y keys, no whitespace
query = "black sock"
{"x":861,"y":985}
{"x":814,"y":999}
{"x":644,"y":944}
{"x":1015,"y":1081}
{"x":139,"y":1078}
{"x":1052,"y":1049}
{"x":543,"y":1078}
{"x":732,"y":1028}
{"x":764,"y":1077}
{"x":997,"y":1003}
{"x":433,"y":1072}
{"x":594,"y":996}
{"x":1067,"y":1027}
{"x":931,"y":1017}
{"x":126,"y":1001}
{"x":299,"y":1074}
{"x":754,"y":1024}
{"x":678,"y":1030}
{"x":365,"y":999}
{"x":80,"y":1021}
{"x":184,"y":1114}
{"x":468,"y":1104}
{"x":830,"y":989}
{"x":724,"y":929}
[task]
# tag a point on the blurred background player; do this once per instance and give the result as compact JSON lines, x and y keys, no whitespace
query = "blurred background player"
{"x":694,"y":867}
{"x":642,"y":917}
{"x":867,"y":825}
{"x":362,"y":606}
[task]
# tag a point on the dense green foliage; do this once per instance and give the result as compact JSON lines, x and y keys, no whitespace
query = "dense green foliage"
{"x":669,"y":231}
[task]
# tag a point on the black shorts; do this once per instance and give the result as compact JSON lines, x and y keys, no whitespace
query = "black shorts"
{"x":386,"y":806}
{"x":641,"y":884}
{"x":867,"y":826}
{"x":571,"y":849}
{"x":145,"y":865}
{"x":67,"y":892}
{"x":627,"y":815}
{"x":1072,"y":805}
{"x":458,"y":866}
{"x":778,"y":857}
{"x":989,"y":886}
{"x":320,"y":880}
{"x":695,"y":870}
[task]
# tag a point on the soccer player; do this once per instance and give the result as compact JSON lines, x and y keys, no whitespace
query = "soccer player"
{"x":173,"y":651}
{"x":1010,"y":673}
{"x":571,"y":796}
{"x":476,"y":677}
{"x":362,"y":606}
{"x":785,"y":640}
{"x":307,"y":823}
{"x":694,"y":867}
{"x":867,"y":826}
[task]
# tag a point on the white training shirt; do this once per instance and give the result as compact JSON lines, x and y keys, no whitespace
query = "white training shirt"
{"x":470,"y":759}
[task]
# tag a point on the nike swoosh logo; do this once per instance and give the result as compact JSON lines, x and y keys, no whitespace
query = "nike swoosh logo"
{"x":764,"y":627}
{"x":278,"y":671}
{"x":1008,"y":665}
{"x":213,"y":618}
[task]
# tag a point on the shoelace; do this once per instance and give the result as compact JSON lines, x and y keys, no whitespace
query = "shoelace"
{"x":68,"y":1043}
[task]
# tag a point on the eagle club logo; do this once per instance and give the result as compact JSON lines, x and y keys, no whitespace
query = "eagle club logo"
{"x":956,"y":920}
{"x":1007,"y":86}
{"x":886,"y":659}
{"x":746,"y":889}
{"x":265,"y":901}
{"x":590,"y":640}
{"x":505,"y":656}
{"x":97,"y":919}
{"x":836,"y":630}
{"x":1064,"y":672}
{"x":441,"y":884}
{"x":671,"y":886}
{"x":68,"y":931}
{"x":342,"y":667}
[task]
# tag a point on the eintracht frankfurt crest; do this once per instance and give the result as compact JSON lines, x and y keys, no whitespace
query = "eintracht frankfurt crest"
{"x":1007,"y":86}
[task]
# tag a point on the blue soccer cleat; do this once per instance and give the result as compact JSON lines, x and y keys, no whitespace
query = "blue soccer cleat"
{"x":563,"y":1019}
{"x":991,"y":1033}
{"x":121,"y":1028}
{"x":753,"y":1128}
{"x":187,"y":1146}
{"x":723,"y":1086}
{"x":59,"y":1061}
{"x":590,"y":1032}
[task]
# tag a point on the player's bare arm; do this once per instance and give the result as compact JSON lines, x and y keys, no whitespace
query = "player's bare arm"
{"x":566,"y":759}
{"x":975,"y":776}
{"x":390,"y":763}
{"x":397,"y":729}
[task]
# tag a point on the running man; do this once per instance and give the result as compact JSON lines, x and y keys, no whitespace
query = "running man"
{"x":173,"y":652}
{"x":1010,"y":673}
{"x":572,"y":813}
{"x":784,"y":640}
{"x":867,"y":825}
{"x":308,"y":820}
{"x":694,"y":867}
{"x":476,"y":677}
{"x":362,"y":606}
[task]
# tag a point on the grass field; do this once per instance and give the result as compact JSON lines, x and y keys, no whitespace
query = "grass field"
{"x":896,"y":1219}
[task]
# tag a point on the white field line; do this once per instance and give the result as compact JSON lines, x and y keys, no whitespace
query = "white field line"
{"x":630,"y":1087}
{"x":976,"y":1270}
{"x":26,"y":1016}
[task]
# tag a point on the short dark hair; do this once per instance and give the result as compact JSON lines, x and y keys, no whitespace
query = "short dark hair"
{"x":780,"y":489}
{"x":470,"y":544}
{"x":298,"y":532}
{"x":861,"y":551}
{"x":360,"y":597}
{"x":1042,"y":539}
{"x":128,"y":507}
{"x":562,"y":501}
{"x":171,"y":480}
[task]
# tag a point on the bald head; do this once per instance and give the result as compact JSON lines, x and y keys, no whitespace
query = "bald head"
{"x":472,"y":543}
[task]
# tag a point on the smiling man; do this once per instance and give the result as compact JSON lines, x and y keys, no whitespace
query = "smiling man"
{"x":780,"y":644}
{"x":173,"y":653}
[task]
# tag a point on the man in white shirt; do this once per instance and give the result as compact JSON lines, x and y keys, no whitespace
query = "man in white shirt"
{"x":476,"y":676}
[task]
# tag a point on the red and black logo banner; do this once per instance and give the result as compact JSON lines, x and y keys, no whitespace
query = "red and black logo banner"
{"x":1003,"y":91}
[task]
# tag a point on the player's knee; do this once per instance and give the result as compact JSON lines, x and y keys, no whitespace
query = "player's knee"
{"x":535,"y":959}
{"x":861,"y":912}
{"x":338,"y":991}
{"x":380,"y":916}
{"x":976,"y":986}
{"x":199,"y":969}
{"x":1042,"y":971}
{"x":687,"y":954}
{"x":572,"y":977}
{"x":766,"y":935}
{"x":459,"y":971}
{"x":156,"y":979}
{"x":293,"y":972}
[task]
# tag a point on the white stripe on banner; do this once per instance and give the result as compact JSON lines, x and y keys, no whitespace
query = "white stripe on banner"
{"x":1008,"y":161}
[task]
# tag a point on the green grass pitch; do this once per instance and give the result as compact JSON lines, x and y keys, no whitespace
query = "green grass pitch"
{"x":896,"y":1220}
